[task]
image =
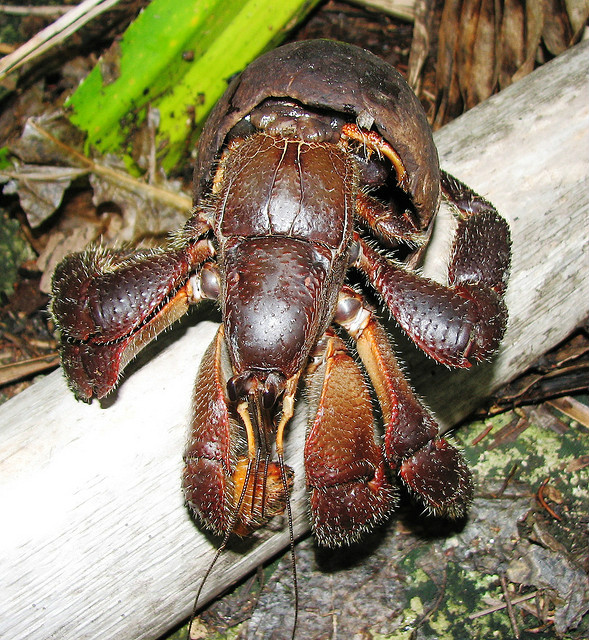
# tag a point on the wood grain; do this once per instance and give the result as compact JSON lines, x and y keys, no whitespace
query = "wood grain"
{"x":96,"y":541}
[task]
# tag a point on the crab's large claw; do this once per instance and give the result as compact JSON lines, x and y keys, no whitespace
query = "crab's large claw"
{"x":108,"y":306}
{"x":431,"y":468}
{"x":346,"y":477}
{"x":228,"y":486}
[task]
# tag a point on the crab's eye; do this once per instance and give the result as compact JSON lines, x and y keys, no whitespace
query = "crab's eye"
{"x":273,"y":389}
{"x":240,"y":385}
{"x":210,"y":281}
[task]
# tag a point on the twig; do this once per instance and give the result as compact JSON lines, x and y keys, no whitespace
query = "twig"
{"x":543,"y":503}
{"x":435,"y":605}
{"x":55,"y":33}
{"x":572,"y":408}
{"x":502,"y":605}
{"x":403,"y":9}
{"x":120,"y":178}
{"x":17,"y":370}
{"x":24,"y":10}
{"x":482,"y":435}
{"x":509,"y":606}
{"x":55,"y":174}
{"x":506,"y":481}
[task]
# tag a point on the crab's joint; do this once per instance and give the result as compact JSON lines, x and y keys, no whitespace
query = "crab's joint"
{"x":373,"y":141}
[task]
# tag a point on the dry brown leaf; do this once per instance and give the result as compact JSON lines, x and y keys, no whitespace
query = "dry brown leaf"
{"x":534,"y":21}
{"x":35,"y":148}
{"x":142,"y":215}
{"x":557,"y":33}
{"x":477,"y":51}
{"x":420,"y":44}
{"x":545,"y":569}
{"x":55,"y":148}
{"x":485,"y":45}
{"x":448,"y":93}
{"x":512,"y":41}
{"x":40,"y":189}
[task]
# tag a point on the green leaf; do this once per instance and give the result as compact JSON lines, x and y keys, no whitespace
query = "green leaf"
{"x":177,"y":56}
{"x":5,"y":155}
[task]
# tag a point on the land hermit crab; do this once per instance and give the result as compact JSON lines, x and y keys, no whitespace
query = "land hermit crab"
{"x":317,"y":163}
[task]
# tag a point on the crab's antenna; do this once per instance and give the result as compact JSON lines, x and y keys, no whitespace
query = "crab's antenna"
{"x":222,"y":546}
{"x":293,"y":559}
{"x":287,"y":413}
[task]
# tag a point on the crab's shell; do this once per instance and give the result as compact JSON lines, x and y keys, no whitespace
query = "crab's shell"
{"x":337,"y":77}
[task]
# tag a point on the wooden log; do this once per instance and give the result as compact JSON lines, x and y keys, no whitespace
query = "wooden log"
{"x":96,"y":540}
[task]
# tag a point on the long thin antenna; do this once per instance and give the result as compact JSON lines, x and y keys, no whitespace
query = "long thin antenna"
{"x":293,"y":559}
{"x":221,"y":547}
{"x":287,"y":413}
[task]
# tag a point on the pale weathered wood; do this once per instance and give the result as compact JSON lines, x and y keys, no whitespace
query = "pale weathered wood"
{"x":96,"y":541}
{"x":404,"y":9}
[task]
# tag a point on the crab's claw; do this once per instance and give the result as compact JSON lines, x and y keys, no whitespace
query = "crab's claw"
{"x":109,"y":306}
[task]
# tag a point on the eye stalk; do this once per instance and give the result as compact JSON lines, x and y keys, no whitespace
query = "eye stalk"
{"x":210,"y":281}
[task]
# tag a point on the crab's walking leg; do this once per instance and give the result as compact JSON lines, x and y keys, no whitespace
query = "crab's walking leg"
{"x":346,"y":477}
{"x":210,"y":456}
{"x":432,"y":468}
{"x":375,"y":142}
{"x":467,"y":318}
{"x":453,"y":323}
{"x":394,"y":221}
{"x":481,"y":253}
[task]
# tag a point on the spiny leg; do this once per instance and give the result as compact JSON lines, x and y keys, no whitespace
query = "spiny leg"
{"x":431,"y":468}
{"x":391,"y":224}
{"x":375,"y":142}
{"x":395,"y":221}
{"x":232,"y":490}
{"x":107,"y":311}
{"x":109,"y":304}
{"x":210,"y":456}
{"x":467,"y":318}
{"x":481,"y":253}
{"x":453,"y":323}
{"x":346,"y":477}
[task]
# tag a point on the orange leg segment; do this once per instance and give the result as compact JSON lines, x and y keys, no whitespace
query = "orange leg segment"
{"x":372,"y":140}
{"x":432,"y":469}
{"x":346,"y":477}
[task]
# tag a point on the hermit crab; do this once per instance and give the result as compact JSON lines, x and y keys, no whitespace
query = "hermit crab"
{"x":316,"y":181}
